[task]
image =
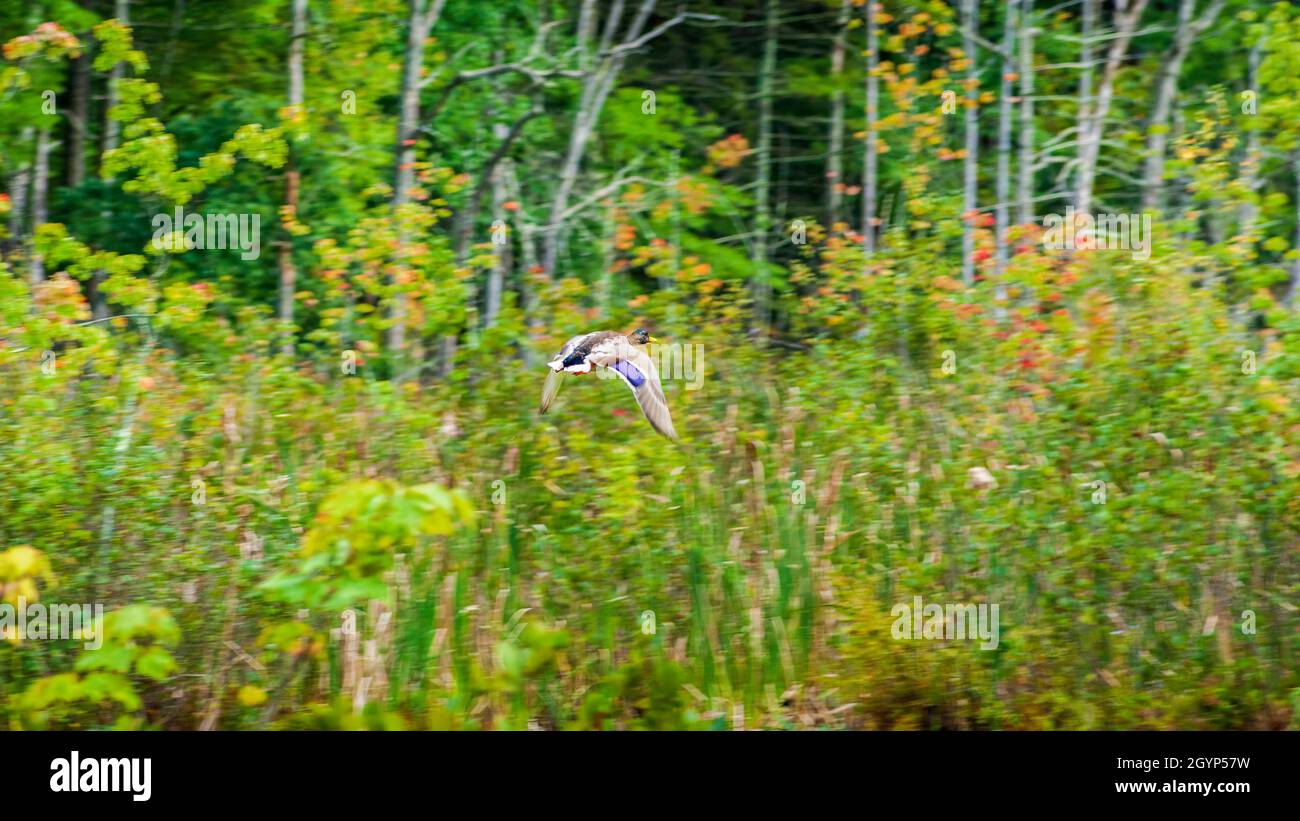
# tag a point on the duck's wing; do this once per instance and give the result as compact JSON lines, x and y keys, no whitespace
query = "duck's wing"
{"x":572,"y":345}
{"x":552,"y":386}
{"x":638,"y":372}
{"x":555,"y":376}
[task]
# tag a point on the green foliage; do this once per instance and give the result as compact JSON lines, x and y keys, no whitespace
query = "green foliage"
{"x":650,"y":691}
{"x":357,"y":532}
{"x":135,"y":646}
{"x":339,"y":715}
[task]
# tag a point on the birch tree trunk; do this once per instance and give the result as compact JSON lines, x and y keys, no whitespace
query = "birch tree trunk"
{"x":1178,"y":195}
{"x":762,"y":206}
{"x":40,"y":195}
{"x":970,"y":165}
{"x":1025,"y":192}
{"x":20,"y":185}
{"x":1295,"y":264}
{"x":580,"y":134}
{"x":586,"y":33}
{"x":595,"y":90}
{"x":112,"y":128}
{"x":528,"y":259}
{"x":1127,"y":15}
{"x":1087,"y":28}
{"x":1166,"y":93}
{"x":501,"y":253}
{"x":111,"y":140}
{"x":870,"y":149}
{"x":289,"y":274}
{"x":468,"y":214}
{"x":835,"y":139}
{"x":1003,"y":207}
{"x":608,"y":254}
{"x":422,"y":15}
{"x":1254,"y":155}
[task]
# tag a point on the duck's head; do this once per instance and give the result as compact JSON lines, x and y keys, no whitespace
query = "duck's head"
{"x":641,"y":337}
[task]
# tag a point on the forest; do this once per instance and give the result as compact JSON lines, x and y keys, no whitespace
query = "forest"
{"x":975,"y":321}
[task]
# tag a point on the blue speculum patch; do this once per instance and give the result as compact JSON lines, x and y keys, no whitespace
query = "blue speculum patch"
{"x":630,"y":372}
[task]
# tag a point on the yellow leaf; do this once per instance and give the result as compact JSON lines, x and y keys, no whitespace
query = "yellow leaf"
{"x":251,"y":696}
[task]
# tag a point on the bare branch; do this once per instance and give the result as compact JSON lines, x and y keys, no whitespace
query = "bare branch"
{"x":682,"y":17}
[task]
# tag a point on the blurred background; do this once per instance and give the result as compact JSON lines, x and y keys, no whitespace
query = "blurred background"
{"x":278,"y":280}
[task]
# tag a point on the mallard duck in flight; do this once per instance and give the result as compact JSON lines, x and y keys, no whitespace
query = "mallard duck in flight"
{"x":626,"y":356}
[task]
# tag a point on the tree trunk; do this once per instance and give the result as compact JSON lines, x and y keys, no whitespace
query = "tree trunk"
{"x":970,"y":166}
{"x":20,"y":185}
{"x":489,"y":177}
{"x":1087,"y":28}
{"x":467,"y":214}
{"x":1128,"y":14}
{"x":1295,"y":263}
{"x":289,"y":274}
{"x":1178,"y":194}
{"x":1254,"y":155}
{"x":835,"y":140}
{"x":1025,"y":194}
{"x":870,"y":150}
{"x":1004,"y":139}
{"x":595,"y":90}
{"x":762,"y":184}
{"x":609,"y":252}
{"x":110,"y":142}
{"x":421,"y":17}
{"x":501,"y":253}
{"x":463,"y":229}
{"x":74,"y":169}
{"x":76,"y":138}
{"x":1166,"y":93}
{"x":527,"y":251}
{"x":40,"y":196}
{"x":1087,"y":31}
{"x":112,"y":128}
{"x":586,"y":34}
{"x":173,"y":35}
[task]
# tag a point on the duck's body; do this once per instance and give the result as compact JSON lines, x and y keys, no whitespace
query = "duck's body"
{"x":623,"y":354}
{"x":576,"y":355}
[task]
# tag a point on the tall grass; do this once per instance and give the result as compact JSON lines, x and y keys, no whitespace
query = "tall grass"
{"x":813,"y":491}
